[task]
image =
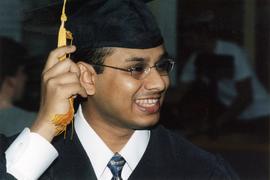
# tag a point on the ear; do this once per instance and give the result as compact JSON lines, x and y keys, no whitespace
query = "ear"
{"x":87,"y":77}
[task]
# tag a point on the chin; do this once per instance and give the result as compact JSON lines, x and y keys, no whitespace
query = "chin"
{"x":146,"y":122}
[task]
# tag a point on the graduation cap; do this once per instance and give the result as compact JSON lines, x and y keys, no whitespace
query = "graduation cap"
{"x":100,"y":23}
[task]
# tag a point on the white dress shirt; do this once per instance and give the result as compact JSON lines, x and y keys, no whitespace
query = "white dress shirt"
{"x":24,"y":155}
{"x":99,"y":154}
{"x":29,"y":156}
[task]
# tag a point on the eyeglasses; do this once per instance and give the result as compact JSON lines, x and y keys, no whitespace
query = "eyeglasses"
{"x":141,"y":70}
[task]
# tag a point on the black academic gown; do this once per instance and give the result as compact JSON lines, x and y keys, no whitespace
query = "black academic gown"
{"x":167,"y":157}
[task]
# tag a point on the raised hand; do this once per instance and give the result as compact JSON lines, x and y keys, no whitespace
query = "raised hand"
{"x":60,"y":81}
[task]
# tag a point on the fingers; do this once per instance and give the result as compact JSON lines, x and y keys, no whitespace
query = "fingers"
{"x":61,"y":67}
{"x":66,"y":85}
{"x":74,"y":88}
{"x":65,"y":78}
{"x":55,"y":55}
{"x":60,"y":82}
{"x":60,"y":78}
{"x":65,"y":91}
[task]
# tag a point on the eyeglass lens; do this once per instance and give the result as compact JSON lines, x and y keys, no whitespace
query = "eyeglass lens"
{"x":163,"y":68}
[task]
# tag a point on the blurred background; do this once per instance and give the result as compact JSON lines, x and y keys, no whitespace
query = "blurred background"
{"x":212,"y":30}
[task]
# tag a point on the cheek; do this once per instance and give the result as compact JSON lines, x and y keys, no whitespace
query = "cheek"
{"x":117,"y":97}
{"x":125,"y":88}
{"x":119,"y":88}
{"x":130,"y":86}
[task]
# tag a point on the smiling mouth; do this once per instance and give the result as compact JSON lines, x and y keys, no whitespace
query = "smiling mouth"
{"x":149,"y":105}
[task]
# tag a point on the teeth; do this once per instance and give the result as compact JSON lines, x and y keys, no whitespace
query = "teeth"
{"x":146,"y":102}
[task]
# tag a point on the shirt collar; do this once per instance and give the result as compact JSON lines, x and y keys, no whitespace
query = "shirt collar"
{"x":135,"y":148}
{"x":98,"y":152}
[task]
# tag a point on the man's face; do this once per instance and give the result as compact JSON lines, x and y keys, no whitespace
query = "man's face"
{"x":122,"y":101}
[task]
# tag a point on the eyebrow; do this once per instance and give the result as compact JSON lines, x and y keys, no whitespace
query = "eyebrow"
{"x":136,"y":59}
{"x":141,"y":59}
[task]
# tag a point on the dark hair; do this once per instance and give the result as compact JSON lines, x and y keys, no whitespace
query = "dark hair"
{"x":93,"y":56}
{"x":12,"y":57}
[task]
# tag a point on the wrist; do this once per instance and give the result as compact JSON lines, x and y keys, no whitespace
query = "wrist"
{"x":45,"y":129}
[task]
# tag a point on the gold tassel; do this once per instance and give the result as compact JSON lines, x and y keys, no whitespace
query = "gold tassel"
{"x":62,"y":120}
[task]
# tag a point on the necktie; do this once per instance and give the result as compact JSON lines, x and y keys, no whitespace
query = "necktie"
{"x":116,"y":165}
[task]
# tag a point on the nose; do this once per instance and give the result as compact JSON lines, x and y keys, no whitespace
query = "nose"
{"x":154,"y":81}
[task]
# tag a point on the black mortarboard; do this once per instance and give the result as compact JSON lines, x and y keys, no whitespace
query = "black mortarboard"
{"x":106,"y":23}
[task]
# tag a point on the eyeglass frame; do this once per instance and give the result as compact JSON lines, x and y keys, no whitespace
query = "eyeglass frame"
{"x":146,"y":70}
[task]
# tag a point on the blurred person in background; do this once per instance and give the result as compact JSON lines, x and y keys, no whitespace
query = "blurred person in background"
{"x":239,"y":102}
{"x":12,"y":85}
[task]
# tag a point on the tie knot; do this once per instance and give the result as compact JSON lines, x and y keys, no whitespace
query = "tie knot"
{"x":116,"y":165}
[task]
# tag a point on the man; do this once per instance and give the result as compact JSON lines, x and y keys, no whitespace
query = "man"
{"x":12,"y":85}
{"x":123,"y":76}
